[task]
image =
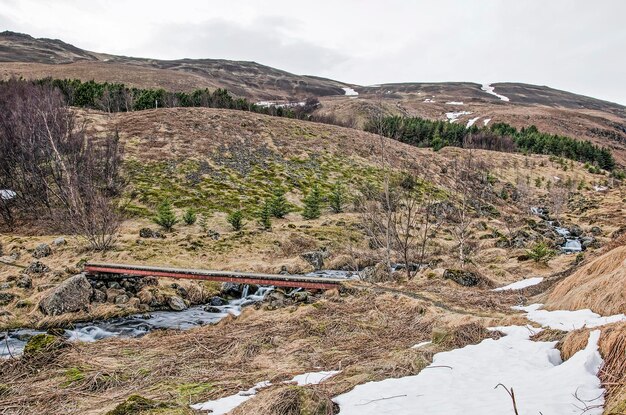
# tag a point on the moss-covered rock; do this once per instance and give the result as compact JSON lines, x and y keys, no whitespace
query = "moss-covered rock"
{"x":41,"y":343}
{"x":136,"y":404}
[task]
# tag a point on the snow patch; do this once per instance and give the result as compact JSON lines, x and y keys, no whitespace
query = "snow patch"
{"x":420,"y":345}
{"x":454,"y":116}
{"x":350,"y":92}
{"x":464,"y":381}
{"x":567,"y":320}
{"x":455,"y":103}
{"x":486,"y":121}
{"x":596,"y":188}
{"x":520,"y":284}
{"x":471,"y":122}
{"x":6,"y":194}
{"x":268,"y":104}
{"x":313,"y":378}
{"x":490,"y":90}
{"x":429,"y":100}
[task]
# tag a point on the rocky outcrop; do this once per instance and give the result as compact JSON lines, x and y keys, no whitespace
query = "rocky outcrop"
{"x":71,"y":295}
{"x":37,"y":267}
{"x":42,"y":251}
{"x":149,"y":233}
{"x":315,"y":258}
{"x":462,"y":277}
{"x":24,"y":281}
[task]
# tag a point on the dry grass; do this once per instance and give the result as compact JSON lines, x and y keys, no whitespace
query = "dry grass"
{"x":612,"y":346}
{"x":599,"y":285}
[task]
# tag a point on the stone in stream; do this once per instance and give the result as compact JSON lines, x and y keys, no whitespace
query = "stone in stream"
{"x":217,"y":301}
{"x":42,"y":251}
{"x":462,"y":277}
{"x":71,"y":295}
{"x":575,"y":231}
{"x":176,"y":303}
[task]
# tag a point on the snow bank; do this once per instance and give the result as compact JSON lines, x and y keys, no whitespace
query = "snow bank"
{"x":228,"y":403}
{"x":464,"y":381}
{"x":490,"y":90}
{"x":350,"y":91}
{"x":455,"y":103}
{"x":6,"y":194}
{"x":454,"y":116}
{"x":520,"y":284}
{"x":568,"y":320}
{"x":471,"y":122}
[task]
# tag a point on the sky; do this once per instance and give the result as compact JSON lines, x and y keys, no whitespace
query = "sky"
{"x":574,"y":45}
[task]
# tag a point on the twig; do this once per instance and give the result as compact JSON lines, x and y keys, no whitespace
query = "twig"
{"x":382,"y":399}
{"x":434,"y":367}
{"x":6,"y":339}
{"x":13,"y":265}
{"x":511,"y":394}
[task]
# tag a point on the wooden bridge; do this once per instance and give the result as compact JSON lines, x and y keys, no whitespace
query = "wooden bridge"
{"x":278,"y":280}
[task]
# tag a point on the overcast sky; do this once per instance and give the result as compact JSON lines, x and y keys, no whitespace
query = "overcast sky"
{"x":575,"y":45}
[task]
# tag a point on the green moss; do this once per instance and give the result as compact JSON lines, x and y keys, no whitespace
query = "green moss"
{"x":136,"y":404}
{"x":73,"y":375}
{"x":40,"y":343}
{"x":5,"y":389}
{"x":187,"y":390}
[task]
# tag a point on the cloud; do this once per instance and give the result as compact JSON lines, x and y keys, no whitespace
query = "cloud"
{"x":267,"y":40}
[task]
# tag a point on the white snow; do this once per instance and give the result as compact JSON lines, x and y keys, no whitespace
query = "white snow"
{"x":350,"y":91}
{"x":464,"y":381}
{"x":471,"y":122}
{"x":226,"y":404}
{"x":486,"y":121}
{"x":313,"y":378}
{"x":280,"y":105}
{"x":490,"y":90}
{"x":6,"y":194}
{"x":568,"y":320}
{"x":520,"y":284}
{"x":420,"y":345}
{"x":455,"y":103}
{"x":454,"y":116}
{"x":596,"y":188}
{"x":429,"y":100}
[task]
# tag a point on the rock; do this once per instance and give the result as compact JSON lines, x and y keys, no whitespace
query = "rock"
{"x":113,"y":293}
{"x":276,"y":299}
{"x":6,"y":285}
{"x":376,"y":273}
{"x":212,"y":309}
{"x":42,"y":251}
{"x":6,"y":298}
{"x":114,"y":284}
{"x":596,"y":231}
{"x":36,"y":267}
{"x":213,"y":234}
{"x":587,"y":241}
{"x":153,"y":281}
{"x":146,"y":233}
{"x":145,"y":296}
{"x":284,"y":270}
{"x":301,"y":297}
{"x":462,"y":277}
{"x":99,"y":296}
{"x":315,"y":258}
{"x":232,"y":290}
{"x":59,"y":242}
{"x":23,"y":304}
{"x":71,"y":295}
{"x":121,"y":299}
{"x":180,"y":290}
{"x":575,"y":231}
{"x":41,"y":343}
{"x":24,"y":281}
{"x":134,"y":302}
{"x":217,"y":301}
{"x":176,"y":303}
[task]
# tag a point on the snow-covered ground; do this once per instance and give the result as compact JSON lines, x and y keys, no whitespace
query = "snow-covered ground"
{"x":490,"y":90}
{"x":350,"y":91}
{"x":429,"y":100}
{"x":455,"y":103}
{"x":486,"y":121}
{"x":280,"y":105}
{"x":6,"y":194}
{"x":568,"y":320}
{"x":228,"y":403}
{"x":454,"y":116}
{"x":471,"y":122}
{"x":520,"y":284}
{"x":596,"y":188}
{"x":465,"y":381}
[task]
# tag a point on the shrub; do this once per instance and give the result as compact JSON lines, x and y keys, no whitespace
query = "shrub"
{"x":312,"y":204}
{"x":540,"y":252}
{"x":279,"y":206}
{"x":189,"y":217}
{"x":165,"y":216}
{"x":337,"y":198}
{"x":235,"y":219}
{"x":265,"y":215}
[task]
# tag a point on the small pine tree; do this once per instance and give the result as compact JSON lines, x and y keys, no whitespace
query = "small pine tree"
{"x":203,"y":223}
{"x":235,"y":218}
{"x":337,"y":198}
{"x":312,"y":204}
{"x":189,"y":217}
{"x":541,"y":252}
{"x":265,"y":215}
{"x":279,"y":206}
{"x":165,"y":216}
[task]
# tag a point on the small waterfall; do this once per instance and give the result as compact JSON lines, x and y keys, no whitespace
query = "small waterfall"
{"x":572,"y":246}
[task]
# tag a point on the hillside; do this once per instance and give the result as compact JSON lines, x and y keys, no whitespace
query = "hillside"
{"x":551,"y":110}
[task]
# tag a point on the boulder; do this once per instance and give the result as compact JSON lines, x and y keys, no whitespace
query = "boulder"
{"x":575,"y":231}
{"x":41,"y":343}
{"x":596,"y":231}
{"x":113,"y":293}
{"x":99,"y":296}
{"x":315,"y":258}
{"x":121,"y":299}
{"x":6,"y":298}
{"x":176,"y":303}
{"x":36,"y":267}
{"x":212,"y":309}
{"x":231,"y":289}
{"x":587,"y":241}
{"x":217,"y":301}
{"x":42,"y":251}
{"x":6,"y":285}
{"x":24,"y":281}
{"x":59,"y":242}
{"x":115,"y":285}
{"x":213,"y":234}
{"x":462,"y":277}
{"x":71,"y":295}
{"x":377,"y":273}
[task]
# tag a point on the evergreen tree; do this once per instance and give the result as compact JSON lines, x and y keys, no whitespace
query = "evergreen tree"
{"x":279,"y":206}
{"x":265,"y":215}
{"x":235,"y":219}
{"x":312,"y":204}
{"x":165,"y":216}
{"x":337,"y":198}
{"x":189,"y":217}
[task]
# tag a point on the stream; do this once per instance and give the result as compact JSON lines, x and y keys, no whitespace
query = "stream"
{"x":573,"y":244}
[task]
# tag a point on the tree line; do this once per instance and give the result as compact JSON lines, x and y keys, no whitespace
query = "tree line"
{"x":499,"y":137}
